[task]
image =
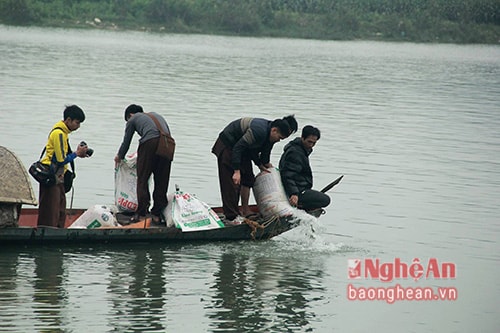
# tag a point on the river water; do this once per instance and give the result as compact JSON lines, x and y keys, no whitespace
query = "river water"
{"x":413,"y":127}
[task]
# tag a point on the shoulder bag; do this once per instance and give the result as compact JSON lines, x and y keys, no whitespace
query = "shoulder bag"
{"x":44,"y":174}
{"x":69,"y":175}
{"x":166,"y":144}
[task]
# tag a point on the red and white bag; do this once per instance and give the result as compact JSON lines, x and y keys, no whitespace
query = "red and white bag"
{"x":126,"y":184}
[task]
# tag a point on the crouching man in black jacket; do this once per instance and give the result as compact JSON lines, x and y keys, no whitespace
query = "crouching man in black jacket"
{"x":296,"y":173}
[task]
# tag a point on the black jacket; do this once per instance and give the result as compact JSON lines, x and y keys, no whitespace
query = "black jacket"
{"x":248,"y":136}
{"x":295,"y":170}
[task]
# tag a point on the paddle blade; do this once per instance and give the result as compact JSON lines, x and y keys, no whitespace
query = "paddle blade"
{"x":332,"y":184}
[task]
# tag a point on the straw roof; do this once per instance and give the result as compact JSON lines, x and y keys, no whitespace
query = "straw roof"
{"x":15,"y":184}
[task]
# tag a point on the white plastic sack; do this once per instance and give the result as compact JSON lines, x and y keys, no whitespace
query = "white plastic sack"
{"x":96,"y":217}
{"x":167,"y":212}
{"x":126,"y":184}
{"x":191,"y":214}
{"x":270,"y":194}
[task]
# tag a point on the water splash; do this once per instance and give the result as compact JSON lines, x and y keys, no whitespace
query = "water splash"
{"x":308,"y":236}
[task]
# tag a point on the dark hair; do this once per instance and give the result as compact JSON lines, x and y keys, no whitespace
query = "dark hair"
{"x":74,"y":112}
{"x":287,"y":125}
{"x":132,"y":108}
{"x":292,"y":123}
{"x":310,"y":130}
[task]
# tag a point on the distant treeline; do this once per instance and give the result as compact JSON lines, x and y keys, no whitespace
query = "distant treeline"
{"x":458,"y":21}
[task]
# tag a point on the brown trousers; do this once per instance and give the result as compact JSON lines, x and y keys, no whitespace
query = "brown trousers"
{"x":148,"y":163}
{"x":230,"y":192}
{"x":52,"y":206}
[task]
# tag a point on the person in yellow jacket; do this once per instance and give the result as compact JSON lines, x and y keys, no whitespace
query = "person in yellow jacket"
{"x":52,"y":198}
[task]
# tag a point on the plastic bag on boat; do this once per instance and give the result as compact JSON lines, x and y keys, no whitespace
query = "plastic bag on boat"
{"x":126,"y":184}
{"x":167,"y":212}
{"x":96,"y":216}
{"x":270,"y":194}
{"x":191,"y":214}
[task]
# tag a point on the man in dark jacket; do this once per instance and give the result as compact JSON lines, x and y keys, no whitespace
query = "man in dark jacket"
{"x":242,"y":141}
{"x":296,"y":173}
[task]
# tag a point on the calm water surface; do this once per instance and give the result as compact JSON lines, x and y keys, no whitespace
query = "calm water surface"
{"x":413,"y":127}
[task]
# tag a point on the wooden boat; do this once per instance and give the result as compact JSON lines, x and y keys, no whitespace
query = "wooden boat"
{"x":19,"y":225}
{"x":143,"y":231}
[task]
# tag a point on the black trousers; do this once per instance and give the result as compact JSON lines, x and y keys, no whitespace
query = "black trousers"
{"x":312,"y":199}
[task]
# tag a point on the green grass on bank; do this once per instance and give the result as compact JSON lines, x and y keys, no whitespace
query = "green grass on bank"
{"x":446,"y":21}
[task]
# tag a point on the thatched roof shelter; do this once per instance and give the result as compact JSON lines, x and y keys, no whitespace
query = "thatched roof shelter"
{"x":15,"y":184}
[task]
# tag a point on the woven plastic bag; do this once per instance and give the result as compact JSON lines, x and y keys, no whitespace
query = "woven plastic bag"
{"x":126,"y":184}
{"x":191,"y":214}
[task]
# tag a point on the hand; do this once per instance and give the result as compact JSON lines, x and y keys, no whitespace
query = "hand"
{"x":265,"y":167}
{"x":81,"y":151}
{"x":236,"y":177}
{"x":118,"y":160}
{"x":294,"y":200}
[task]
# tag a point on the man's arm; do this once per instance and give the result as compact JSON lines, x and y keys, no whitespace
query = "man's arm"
{"x":265,"y":155}
{"x":58,"y":141}
{"x":127,"y":139}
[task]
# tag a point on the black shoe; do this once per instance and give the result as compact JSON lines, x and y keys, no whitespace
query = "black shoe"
{"x":158,"y":220}
{"x":136,"y":218}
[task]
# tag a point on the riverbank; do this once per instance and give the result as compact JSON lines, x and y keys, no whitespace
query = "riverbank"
{"x":467,"y":22}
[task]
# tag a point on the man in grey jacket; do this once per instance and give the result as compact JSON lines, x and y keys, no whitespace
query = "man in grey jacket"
{"x":296,"y":173}
{"x":147,"y":161}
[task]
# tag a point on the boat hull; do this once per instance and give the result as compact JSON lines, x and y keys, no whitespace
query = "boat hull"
{"x":48,"y":235}
{"x":28,"y":233}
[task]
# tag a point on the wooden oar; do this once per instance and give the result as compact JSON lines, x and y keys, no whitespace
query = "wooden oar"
{"x":332,"y":184}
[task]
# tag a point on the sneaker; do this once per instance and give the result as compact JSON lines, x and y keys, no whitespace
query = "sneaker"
{"x":237,"y":221}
